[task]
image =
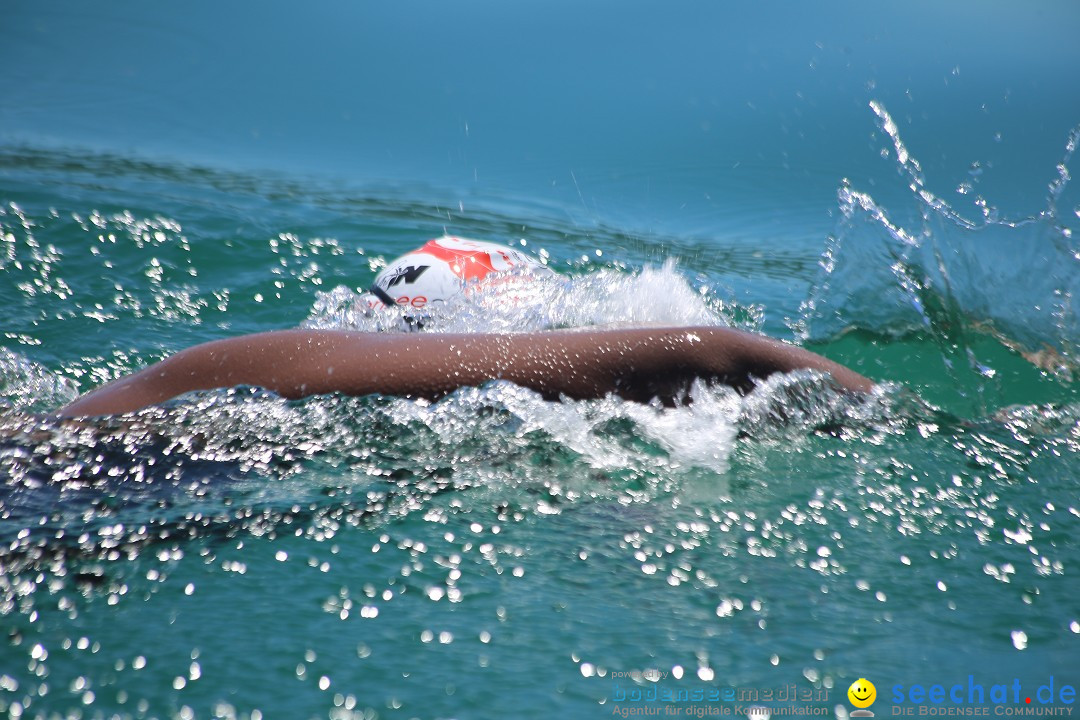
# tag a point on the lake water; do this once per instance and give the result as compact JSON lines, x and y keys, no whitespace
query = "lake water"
{"x":889,"y":186}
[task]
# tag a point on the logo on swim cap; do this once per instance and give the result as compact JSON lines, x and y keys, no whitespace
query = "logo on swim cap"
{"x":408,"y":274}
{"x":441,"y":269}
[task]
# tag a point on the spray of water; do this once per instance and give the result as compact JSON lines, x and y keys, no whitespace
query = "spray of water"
{"x":951,"y":276}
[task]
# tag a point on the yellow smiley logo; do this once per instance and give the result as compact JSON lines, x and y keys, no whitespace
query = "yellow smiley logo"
{"x":862,"y":693}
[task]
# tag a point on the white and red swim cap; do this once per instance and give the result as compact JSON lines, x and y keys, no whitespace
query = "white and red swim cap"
{"x":443,"y":268}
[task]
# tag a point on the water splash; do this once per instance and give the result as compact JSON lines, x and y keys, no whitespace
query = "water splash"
{"x":143,"y":264}
{"x":949,"y":275}
{"x":28,"y":386}
{"x":203,"y":461}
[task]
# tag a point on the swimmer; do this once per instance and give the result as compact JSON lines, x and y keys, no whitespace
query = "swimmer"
{"x":637,"y":364}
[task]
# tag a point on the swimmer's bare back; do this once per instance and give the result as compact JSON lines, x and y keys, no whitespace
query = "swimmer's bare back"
{"x":636,"y":364}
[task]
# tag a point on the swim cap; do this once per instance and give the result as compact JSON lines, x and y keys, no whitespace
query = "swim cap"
{"x":441,"y":269}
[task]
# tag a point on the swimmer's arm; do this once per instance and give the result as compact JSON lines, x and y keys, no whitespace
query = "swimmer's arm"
{"x":645,"y":363}
{"x":637,"y":364}
{"x":741,"y":359}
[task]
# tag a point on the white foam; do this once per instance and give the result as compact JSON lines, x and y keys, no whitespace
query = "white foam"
{"x":523,"y":303}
